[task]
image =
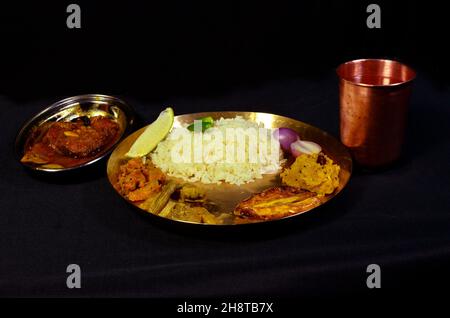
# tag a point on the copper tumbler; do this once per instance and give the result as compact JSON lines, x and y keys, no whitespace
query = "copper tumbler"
{"x":374,"y":97}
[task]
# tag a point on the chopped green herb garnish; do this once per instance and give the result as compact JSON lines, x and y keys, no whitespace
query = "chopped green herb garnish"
{"x":206,"y":122}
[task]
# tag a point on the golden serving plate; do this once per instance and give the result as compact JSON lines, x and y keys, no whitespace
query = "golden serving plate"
{"x":228,"y":196}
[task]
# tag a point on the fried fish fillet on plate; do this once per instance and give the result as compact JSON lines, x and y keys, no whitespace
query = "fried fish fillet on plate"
{"x":275,"y":203}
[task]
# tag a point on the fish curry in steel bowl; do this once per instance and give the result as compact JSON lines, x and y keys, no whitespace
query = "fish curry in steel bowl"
{"x":73,"y":133}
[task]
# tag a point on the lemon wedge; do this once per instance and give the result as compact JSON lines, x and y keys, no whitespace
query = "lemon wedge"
{"x":152,"y":135}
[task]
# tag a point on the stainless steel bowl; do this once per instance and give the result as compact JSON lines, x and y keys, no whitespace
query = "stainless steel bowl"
{"x":70,"y":108}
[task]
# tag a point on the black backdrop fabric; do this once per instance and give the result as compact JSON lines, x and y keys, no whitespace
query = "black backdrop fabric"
{"x":222,"y":56}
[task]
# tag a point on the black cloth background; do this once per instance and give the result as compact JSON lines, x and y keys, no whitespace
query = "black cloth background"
{"x":397,"y":218}
{"x":252,"y":60}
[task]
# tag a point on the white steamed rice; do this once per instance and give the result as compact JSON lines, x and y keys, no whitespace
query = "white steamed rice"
{"x":208,"y":164}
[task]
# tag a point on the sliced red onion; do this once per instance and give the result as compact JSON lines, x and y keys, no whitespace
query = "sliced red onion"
{"x":286,"y":137}
{"x":307,"y":147}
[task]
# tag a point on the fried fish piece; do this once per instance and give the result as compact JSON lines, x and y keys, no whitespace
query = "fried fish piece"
{"x":75,"y":139}
{"x":275,"y":203}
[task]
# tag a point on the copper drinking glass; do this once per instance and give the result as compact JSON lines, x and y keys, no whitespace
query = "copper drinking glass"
{"x":374,"y":97}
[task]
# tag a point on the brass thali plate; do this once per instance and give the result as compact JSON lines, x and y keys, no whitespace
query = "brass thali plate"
{"x":228,"y":196}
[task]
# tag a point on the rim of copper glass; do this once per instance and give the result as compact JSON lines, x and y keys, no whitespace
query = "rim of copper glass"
{"x":410,"y":69}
